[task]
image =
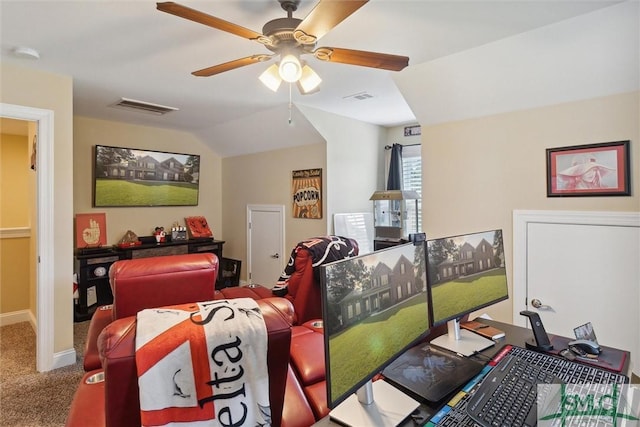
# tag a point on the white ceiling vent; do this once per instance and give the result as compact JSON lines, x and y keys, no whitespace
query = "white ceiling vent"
{"x":360,"y":96}
{"x":143,"y":107}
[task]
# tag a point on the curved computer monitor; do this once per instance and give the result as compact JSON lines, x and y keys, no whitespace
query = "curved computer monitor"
{"x":375,"y":306}
{"x":465,"y":273}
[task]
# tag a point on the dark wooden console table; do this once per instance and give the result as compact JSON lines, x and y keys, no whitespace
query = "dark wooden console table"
{"x":92,"y":268}
{"x":147,"y":250}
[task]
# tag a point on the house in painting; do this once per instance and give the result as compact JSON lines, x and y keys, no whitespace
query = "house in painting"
{"x":469,"y":261}
{"x":148,"y":168}
{"x":384,"y":288}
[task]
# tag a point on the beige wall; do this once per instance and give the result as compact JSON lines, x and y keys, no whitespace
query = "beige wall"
{"x":488,"y":115}
{"x":265,"y":178}
{"x":88,"y":132}
{"x":476,"y":172}
{"x":15,"y":262}
{"x":355,"y":159}
{"x":15,"y":265}
{"x":14,"y":181}
{"x":27,"y":87}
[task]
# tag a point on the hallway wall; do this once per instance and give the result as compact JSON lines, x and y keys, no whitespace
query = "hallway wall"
{"x":15,"y":232}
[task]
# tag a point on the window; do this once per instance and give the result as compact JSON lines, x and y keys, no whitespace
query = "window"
{"x":412,"y":179}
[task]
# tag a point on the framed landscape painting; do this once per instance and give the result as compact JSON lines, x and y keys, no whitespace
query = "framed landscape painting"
{"x":130,"y":177}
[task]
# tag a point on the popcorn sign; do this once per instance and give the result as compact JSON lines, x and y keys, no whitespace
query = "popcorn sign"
{"x":307,"y":193}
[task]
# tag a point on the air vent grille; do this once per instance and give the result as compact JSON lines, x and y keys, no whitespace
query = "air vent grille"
{"x":143,"y":107}
{"x":360,"y":96}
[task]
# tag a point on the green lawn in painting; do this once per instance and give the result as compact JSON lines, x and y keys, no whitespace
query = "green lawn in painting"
{"x":357,"y":351}
{"x":457,"y":296}
{"x":116,"y":192}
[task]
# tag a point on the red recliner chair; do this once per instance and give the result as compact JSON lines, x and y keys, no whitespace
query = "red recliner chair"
{"x":110,"y":397}
{"x":143,"y":283}
{"x":301,"y":276}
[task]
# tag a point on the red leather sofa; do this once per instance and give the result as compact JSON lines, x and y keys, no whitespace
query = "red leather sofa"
{"x":295,"y":351}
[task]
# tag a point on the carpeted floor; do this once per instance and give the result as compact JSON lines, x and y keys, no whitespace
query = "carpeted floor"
{"x":29,"y":398}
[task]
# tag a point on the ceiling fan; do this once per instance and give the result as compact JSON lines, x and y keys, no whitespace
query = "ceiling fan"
{"x":291,"y":38}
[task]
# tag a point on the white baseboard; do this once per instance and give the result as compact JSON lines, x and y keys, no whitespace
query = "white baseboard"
{"x":64,"y":358}
{"x":18,"y":317}
{"x":60,"y":359}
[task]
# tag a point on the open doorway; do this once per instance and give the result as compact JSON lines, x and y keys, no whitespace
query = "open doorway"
{"x":45,"y":228}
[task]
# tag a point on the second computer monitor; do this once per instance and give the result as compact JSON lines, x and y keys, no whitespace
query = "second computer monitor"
{"x":465,"y":273}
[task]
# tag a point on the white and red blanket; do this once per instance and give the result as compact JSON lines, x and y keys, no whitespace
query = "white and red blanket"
{"x":203,"y":364}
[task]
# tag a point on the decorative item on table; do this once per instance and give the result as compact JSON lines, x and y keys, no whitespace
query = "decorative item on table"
{"x":161,"y":236}
{"x":198,"y":227}
{"x":178,"y":233}
{"x":129,"y":239}
{"x":91,"y":230}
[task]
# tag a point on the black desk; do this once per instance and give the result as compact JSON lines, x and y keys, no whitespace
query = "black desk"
{"x":514,"y":335}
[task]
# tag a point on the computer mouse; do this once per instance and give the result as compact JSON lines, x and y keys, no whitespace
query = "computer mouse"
{"x":590,"y":347}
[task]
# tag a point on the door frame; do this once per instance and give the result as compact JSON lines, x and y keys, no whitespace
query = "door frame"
{"x":279,"y":209}
{"x":521,"y":221}
{"x":44,"y":237}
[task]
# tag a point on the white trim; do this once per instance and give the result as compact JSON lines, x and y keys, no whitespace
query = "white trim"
{"x":264,"y":208}
{"x":63,"y":358}
{"x":15,"y":232}
{"x":521,"y":221}
{"x":45,"y":241}
{"x":18,"y":317}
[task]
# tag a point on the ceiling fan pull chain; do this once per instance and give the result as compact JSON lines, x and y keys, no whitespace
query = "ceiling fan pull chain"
{"x":289,"y":103}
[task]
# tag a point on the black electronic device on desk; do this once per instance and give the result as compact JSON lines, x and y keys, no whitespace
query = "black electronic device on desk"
{"x":430,"y":374}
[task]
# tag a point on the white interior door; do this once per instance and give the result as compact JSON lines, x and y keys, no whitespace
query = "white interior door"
{"x":582,"y":267}
{"x":265,"y":244}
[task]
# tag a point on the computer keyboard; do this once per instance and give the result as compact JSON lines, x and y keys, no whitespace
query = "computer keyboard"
{"x":486,"y":394}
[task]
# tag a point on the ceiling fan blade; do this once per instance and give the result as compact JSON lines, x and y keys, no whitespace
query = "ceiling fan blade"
{"x":211,"y":21}
{"x":231,"y":65}
{"x":363,"y":58}
{"x":324,"y":16}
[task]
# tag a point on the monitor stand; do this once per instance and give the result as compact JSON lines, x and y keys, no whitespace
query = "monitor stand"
{"x":461,"y":341}
{"x":361,"y":409}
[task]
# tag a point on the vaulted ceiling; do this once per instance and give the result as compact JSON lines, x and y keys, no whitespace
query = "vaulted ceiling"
{"x":128,"y":49}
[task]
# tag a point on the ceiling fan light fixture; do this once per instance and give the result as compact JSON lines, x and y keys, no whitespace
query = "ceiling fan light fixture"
{"x":271,"y":78}
{"x":290,"y":68}
{"x":309,"y":80}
